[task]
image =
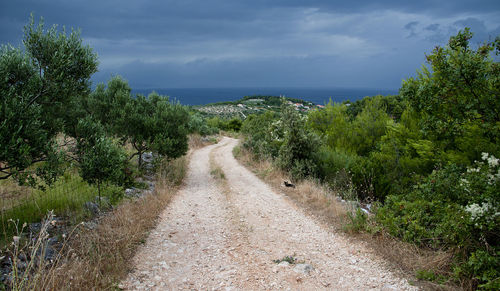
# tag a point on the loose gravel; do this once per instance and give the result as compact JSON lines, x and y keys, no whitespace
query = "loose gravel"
{"x":227,"y":235}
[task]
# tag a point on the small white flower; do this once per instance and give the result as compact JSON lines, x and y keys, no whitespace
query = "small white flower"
{"x":16,"y":239}
{"x":492,"y":161}
{"x":479,"y":211}
{"x":484,"y":156}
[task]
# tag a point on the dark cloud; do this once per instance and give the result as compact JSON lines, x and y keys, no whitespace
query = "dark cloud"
{"x":313,"y":71}
{"x":439,"y":34}
{"x":411,"y":26}
{"x":156,"y":19}
{"x":196,"y":43}
{"x":432,"y":27}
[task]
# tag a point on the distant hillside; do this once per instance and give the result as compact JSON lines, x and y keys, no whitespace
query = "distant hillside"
{"x":253,"y":104}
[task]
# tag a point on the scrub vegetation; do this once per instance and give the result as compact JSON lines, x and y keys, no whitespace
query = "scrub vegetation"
{"x":426,"y":160}
{"x":64,"y":146}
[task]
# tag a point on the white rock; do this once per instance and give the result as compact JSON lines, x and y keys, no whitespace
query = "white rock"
{"x":303,"y":268}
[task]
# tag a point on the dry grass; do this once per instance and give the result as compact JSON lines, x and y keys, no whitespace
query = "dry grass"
{"x":215,"y":170}
{"x":197,"y":141}
{"x":98,"y":259}
{"x":404,"y":258}
{"x":309,"y":194}
{"x":407,"y":259}
{"x":11,"y":194}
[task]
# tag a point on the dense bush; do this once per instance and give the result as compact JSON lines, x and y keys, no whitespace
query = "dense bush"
{"x":297,"y":153}
{"x":262,"y":134}
{"x":233,"y":124}
{"x":198,"y":124}
{"x":428,"y":155}
{"x":284,"y":138}
{"x":454,"y":207}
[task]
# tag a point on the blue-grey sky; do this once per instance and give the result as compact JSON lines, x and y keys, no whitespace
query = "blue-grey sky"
{"x":263,"y":43}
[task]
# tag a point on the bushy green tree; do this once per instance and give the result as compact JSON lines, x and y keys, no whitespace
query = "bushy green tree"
{"x":259,"y":136}
{"x":107,"y":104}
{"x":450,"y":137}
{"x":198,"y":124}
{"x":369,"y":126}
{"x":100,"y":160}
{"x":155,"y":124}
{"x":458,"y":99}
{"x":299,"y":146}
{"x":39,"y":86}
{"x":234,"y":124}
{"x":333,"y":125}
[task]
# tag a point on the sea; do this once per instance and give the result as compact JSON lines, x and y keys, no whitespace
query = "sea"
{"x":321,"y":96}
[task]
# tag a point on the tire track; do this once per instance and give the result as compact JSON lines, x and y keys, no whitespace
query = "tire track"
{"x":225,"y":235}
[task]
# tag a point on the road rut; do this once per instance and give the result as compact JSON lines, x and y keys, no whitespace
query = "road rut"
{"x":224,"y":235}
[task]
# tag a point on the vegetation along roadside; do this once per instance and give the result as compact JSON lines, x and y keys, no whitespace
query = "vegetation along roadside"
{"x":83,"y":173}
{"x":425,"y":162}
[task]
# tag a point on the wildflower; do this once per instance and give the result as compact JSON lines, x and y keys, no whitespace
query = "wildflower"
{"x":16,"y":239}
{"x":484,"y":156}
{"x":492,"y":161}
{"x":473,"y":170}
{"x":480,"y":211}
{"x":464,"y":183}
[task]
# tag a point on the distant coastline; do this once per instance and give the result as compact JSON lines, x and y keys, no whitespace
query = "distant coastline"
{"x":201,"y":96}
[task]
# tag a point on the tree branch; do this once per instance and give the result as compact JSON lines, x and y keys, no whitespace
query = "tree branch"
{"x":6,"y":176}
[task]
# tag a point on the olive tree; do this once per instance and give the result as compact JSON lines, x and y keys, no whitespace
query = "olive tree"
{"x":155,"y":124}
{"x":100,"y":160}
{"x":107,"y":104}
{"x":40,"y":87}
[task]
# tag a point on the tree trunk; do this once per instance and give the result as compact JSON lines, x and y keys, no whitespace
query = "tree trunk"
{"x":140,"y":159}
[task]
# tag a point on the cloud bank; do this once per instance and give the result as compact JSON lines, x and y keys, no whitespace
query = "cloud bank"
{"x":236,"y":43}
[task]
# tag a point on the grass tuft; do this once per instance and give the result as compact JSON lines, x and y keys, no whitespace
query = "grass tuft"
{"x":66,"y":198}
{"x":98,"y":259}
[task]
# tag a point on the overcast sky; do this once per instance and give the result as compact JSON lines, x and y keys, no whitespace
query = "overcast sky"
{"x":258,"y":43}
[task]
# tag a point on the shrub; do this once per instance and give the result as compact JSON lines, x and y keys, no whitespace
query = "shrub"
{"x":259,"y":134}
{"x":297,"y":154}
{"x":456,"y":208}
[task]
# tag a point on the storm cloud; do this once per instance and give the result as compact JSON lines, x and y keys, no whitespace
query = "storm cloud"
{"x":233,"y":43}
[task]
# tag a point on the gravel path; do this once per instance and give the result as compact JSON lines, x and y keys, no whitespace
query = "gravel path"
{"x":225,"y":235}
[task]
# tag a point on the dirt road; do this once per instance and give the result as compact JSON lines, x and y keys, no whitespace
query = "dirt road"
{"x":224,"y":235}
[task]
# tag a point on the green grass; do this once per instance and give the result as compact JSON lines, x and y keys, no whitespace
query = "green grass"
{"x":66,"y":198}
{"x":217,"y":173}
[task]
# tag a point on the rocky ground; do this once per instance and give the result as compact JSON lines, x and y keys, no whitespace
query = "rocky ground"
{"x":238,"y":234}
{"x":49,"y":236}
